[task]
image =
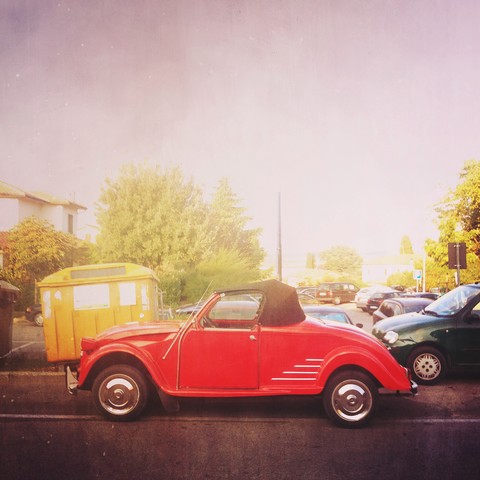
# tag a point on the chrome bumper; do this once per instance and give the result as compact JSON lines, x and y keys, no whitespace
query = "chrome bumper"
{"x":71,"y":381}
{"x":401,"y":393}
{"x":413,"y":388}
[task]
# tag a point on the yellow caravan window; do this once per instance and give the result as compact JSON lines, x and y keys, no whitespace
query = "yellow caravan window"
{"x":87,"y":297}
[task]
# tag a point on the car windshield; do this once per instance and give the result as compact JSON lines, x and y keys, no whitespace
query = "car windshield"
{"x":453,"y":301}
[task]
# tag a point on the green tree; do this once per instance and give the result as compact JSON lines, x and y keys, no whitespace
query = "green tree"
{"x":151,"y":218}
{"x":458,"y":221}
{"x":224,"y":269}
{"x":459,"y":212}
{"x":227,"y":227}
{"x":158,"y":219}
{"x":310,"y":264}
{"x":406,"y":246}
{"x":343,"y":260}
{"x":36,"y":250}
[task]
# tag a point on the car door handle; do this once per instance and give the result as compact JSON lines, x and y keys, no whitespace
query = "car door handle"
{"x":253,"y":338}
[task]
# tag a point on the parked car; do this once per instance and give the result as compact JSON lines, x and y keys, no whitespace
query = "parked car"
{"x":189,"y":309}
{"x":306,"y":299}
{"x":265,"y":346}
{"x":363,"y":295}
{"x":33,"y":313}
{"x":307,"y":291}
{"x":398,"y":306}
{"x":376,"y":298}
{"x":430,"y":295}
{"x":165,"y":313}
{"x":327,"y":312}
{"x":444,"y":336}
{"x":336,"y":292}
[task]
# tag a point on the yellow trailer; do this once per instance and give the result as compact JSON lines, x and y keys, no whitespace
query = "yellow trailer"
{"x":84,"y":301}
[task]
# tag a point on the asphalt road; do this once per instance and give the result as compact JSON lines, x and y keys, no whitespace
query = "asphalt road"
{"x":46,"y":433}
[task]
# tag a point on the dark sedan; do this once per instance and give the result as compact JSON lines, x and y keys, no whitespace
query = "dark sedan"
{"x":445,"y":335}
{"x":398,"y":306}
{"x":376,"y":299}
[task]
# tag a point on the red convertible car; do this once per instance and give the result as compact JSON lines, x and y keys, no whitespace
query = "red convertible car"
{"x":249,"y":341}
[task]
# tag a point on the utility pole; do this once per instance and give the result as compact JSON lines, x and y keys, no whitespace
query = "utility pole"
{"x":279,"y":247}
{"x":424,"y":276}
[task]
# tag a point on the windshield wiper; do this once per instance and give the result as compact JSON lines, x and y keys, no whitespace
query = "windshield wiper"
{"x":430,"y":312}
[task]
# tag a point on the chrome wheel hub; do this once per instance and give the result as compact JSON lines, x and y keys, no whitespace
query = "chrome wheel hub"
{"x":352,"y":400}
{"x":119,"y":394}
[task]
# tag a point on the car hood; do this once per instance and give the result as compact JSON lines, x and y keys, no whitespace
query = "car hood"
{"x":407,"y":321}
{"x":134,"y":329}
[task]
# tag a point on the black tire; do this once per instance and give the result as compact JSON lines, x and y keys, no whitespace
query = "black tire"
{"x":427,"y":364}
{"x":350,"y":399}
{"x":337,"y":301}
{"x":38,"y":320}
{"x":120,"y":392}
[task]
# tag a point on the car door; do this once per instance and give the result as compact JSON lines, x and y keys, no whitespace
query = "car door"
{"x":352,"y":291}
{"x":221,"y":352}
{"x":468,"y":337}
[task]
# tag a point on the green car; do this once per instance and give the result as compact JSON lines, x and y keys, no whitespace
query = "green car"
{"x":445,"y":335}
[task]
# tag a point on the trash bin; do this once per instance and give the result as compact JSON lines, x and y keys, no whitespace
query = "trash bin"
{"x":83,"y":301}
{"x":8,"y":296}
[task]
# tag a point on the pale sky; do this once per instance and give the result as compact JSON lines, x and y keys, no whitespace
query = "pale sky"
{"x":361,"y":113}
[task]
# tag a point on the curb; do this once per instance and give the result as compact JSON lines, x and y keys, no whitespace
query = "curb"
{"x":30,"y":373}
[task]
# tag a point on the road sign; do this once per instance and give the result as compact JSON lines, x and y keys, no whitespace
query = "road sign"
{"x":457,"y":255}
{"x":417,"y":274}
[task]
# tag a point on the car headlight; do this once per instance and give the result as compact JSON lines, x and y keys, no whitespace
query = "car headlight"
{"x":391,"y":337}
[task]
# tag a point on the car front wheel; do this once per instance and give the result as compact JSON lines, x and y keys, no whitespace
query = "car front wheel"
{"x":350,"y":399}
{"x":120,"y":392}
{"x":427,"y":365}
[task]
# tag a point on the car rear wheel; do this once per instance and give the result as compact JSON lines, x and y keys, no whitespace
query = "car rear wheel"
{"x":120,"y":392}
{"x":350,"y":399}
{"x":38,"y":320}
{"x":337,"y":301}
{"x":427,"y":365}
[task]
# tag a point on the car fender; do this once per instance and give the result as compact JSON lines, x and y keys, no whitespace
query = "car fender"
{"x":114,"y":349}
{"x":382,"y":367}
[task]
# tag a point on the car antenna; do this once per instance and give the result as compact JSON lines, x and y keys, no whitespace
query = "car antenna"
{"x":195,"y":310}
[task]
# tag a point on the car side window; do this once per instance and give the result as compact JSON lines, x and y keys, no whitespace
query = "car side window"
{"x":234,"y":312}
{"x":396,"y":310}
{"x":476,"y":309}
{"x":386,"y":309}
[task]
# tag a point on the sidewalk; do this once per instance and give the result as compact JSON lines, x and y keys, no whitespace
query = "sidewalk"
{"x":28,"y":350}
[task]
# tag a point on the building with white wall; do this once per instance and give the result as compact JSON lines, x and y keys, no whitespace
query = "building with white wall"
{"x":378,"y":269}
{"x":17,"y":205}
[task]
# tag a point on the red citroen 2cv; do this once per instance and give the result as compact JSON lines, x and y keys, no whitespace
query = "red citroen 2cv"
{"x":248,"y":341}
